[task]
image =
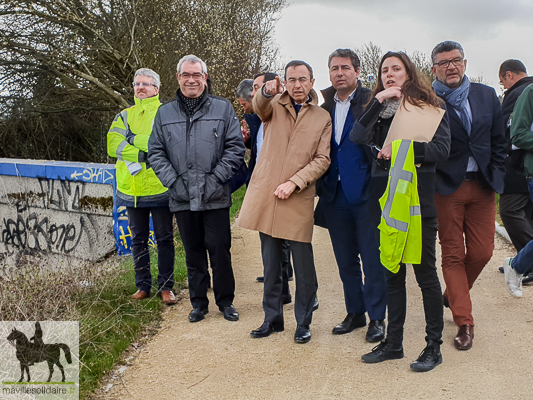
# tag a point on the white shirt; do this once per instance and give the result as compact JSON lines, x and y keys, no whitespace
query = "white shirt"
{"x":341,"y":111}
{"x":259,"y":142}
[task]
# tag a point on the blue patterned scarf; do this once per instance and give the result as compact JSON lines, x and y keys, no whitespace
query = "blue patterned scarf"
{"x":458,"y":98}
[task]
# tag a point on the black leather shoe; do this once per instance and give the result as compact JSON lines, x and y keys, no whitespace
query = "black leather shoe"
{"x":527,"y":278}
{"x":197,"y":314}
{"x":428,"y":359}
{"x":376,"y":331}
{"x":266,"y":329}
{"x":383,"y":352}
{"x":260,"y":279}
{"x":351,"y":322}
{"x":302,"y":334}
{"x":230,"y":313}
{"x":286,"y":299}
{"x":316,"y":304}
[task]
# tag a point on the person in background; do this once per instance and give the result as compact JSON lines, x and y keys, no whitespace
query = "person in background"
{"x":516,"y":208}
{"x":139,"y":189}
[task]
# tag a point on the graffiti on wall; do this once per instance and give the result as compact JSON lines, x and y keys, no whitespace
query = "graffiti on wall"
{"x":93,"y":175}
{"x":31,"y":231}
{"x":61,"y":195}
{"x":34,"y":224}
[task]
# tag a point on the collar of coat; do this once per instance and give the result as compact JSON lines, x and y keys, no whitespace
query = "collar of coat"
{"x":329,"y":94}
{"x":149,"y":104}
{"x":285,"y":99}
{"x":522,"y":82}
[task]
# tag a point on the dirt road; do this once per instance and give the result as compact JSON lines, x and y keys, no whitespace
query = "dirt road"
{"x":217,"y":359}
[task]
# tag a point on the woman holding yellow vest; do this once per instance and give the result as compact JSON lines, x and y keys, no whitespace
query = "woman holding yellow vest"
{"x":399,"y":83}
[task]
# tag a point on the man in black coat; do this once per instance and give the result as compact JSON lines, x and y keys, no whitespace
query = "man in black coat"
{"x":516,"y":208}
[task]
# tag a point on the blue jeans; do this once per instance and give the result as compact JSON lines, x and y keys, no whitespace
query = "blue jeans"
{"x":523,"y":262}
{"x":530,"y":187}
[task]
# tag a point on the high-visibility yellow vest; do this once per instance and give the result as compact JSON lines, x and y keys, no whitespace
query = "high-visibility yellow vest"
{"x":138,"y":119}
{"x":401,"y":222}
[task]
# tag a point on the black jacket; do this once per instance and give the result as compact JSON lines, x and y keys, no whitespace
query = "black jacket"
{"x":515,"y":182}
{"x":486,"y":143}
{"x":196,"y":156}
{"x":371,"y":128}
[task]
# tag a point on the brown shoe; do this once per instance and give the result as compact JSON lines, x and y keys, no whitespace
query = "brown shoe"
{"x":463,"y":340}
{"x":168,"y":297}
{"x":139,"y":295}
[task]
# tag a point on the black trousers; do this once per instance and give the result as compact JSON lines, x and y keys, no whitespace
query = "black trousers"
{"x":204,"y":232}
{"x":286,"y":267}
{"x":305,"y":276}
{"x":139,"y":222}
{"x":516,"y":210}
{"x":428,"y":281}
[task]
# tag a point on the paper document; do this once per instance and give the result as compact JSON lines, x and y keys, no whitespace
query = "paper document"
{"x":414,"y":123}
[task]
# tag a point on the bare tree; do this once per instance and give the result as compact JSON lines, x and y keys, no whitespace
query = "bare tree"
{"x":66,"y":66}
{"x":370,"y":56}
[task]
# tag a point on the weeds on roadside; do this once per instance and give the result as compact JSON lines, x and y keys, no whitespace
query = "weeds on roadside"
{"x":98,"y":296}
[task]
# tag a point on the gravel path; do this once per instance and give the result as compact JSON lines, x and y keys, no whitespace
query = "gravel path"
{"x":217,"y":359}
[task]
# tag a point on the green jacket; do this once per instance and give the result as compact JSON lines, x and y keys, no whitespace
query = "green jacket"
{"x":522,"y":128}
{"x":127,"y":140}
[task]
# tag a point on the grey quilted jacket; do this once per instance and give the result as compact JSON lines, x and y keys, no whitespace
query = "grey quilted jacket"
{"x":196,"y":156}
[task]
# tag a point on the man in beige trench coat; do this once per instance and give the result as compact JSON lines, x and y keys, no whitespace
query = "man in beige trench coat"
{"x":295,"y":153}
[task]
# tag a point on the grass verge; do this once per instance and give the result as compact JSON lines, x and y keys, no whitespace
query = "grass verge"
{"x":110,"y":321}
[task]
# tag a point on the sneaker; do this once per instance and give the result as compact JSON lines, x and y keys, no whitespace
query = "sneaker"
{"x":383,"y":352}
{"x":428,"y":359}
{"x":512,"y":278}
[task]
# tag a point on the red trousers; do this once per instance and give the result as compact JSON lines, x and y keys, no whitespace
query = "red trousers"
{"x":466,"y":234}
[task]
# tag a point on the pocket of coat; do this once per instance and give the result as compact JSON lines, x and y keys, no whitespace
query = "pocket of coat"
{"x":214,"y":190}
{"x":179,"y":190}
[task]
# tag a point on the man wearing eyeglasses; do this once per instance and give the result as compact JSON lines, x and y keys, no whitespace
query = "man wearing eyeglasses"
{"x":139,"y":189}
{"x":294,"y":154}
{"x":343,"y":205}
{"x":195,"y":149}
{"x":467,"y":182}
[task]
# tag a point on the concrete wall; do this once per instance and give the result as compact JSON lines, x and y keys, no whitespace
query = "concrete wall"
{"x":56,"y":210}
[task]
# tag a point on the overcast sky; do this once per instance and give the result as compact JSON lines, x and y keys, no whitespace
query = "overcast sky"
{"x":490,"y":31}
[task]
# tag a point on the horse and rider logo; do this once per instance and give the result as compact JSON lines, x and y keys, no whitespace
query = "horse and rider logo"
{"x":34,"y":350}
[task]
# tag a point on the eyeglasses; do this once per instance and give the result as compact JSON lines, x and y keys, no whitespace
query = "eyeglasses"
{"x":196,"y":76}
{"x":445,"y":63}
{"x":301,"y":79}
{"x":143,"y":84}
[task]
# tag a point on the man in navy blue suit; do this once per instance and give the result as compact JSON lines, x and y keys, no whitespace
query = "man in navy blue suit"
{"x":342,"y":207}
{"x":467,"y":182}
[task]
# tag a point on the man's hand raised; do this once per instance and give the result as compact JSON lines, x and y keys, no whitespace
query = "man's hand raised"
{"x":273,"y":87}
